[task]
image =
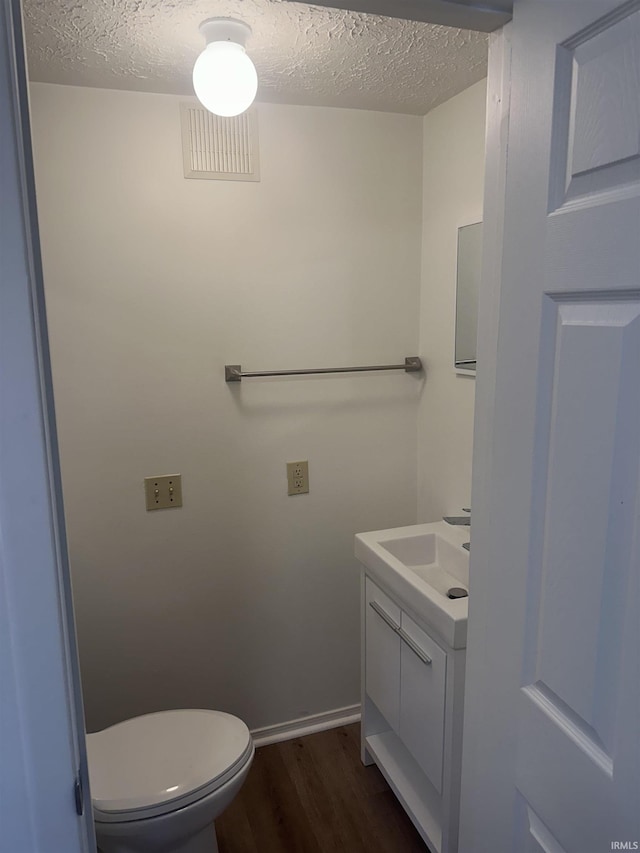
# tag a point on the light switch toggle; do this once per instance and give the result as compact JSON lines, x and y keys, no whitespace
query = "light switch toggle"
{"x":163,"y":492}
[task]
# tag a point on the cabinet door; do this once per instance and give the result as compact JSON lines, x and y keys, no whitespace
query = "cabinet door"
{"x":382,"y":662}
{"x":423,"y":667}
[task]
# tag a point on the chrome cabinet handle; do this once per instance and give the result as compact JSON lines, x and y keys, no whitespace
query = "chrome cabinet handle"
{"x":415,"y":648}
{"x":384,"y":616}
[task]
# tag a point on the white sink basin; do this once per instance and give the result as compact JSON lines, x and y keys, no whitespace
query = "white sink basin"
{"x":419,"y":565}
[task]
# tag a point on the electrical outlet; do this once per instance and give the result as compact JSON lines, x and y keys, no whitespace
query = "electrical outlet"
{"x":163,"y":492}
{"x":298,"y":477}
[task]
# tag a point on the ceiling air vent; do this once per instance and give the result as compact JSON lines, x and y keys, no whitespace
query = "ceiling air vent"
{"x":219,"y":148}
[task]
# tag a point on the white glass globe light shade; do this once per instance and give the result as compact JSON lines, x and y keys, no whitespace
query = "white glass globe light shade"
{"x":225,"y":79}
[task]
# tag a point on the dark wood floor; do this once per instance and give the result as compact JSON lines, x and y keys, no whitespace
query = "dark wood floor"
{"x":313,"y":795}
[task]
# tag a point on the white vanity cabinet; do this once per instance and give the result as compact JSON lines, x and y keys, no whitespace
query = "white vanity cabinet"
{"x":412,"y":695}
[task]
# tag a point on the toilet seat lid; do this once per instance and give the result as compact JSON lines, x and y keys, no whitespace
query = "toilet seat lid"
{"x":159,"y":759}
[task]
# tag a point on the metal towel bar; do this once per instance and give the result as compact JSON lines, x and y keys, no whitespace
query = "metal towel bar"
{"x":234,"y":372}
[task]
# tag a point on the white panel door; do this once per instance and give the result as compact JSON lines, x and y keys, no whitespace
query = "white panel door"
{"x":552,"y":717}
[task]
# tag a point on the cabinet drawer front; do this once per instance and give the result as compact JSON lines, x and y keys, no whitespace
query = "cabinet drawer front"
{"x":375,"y":594}
{"x":423,"y":666}
{"x":382,"y":653}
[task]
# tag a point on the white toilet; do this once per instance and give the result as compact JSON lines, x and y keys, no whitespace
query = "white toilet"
{"x":159,"y":781}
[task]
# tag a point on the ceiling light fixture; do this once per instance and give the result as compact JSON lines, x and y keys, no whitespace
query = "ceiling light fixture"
{"x":224,"y":78}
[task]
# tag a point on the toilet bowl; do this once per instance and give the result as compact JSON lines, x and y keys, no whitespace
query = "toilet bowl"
{"x":159,"y":781}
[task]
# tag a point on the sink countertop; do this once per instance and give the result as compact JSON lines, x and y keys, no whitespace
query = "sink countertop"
{"x":400,"y":573}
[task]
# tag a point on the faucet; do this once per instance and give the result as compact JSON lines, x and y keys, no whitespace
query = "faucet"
{"x":459,"y":520}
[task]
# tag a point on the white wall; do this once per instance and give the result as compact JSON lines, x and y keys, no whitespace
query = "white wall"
{"x":453,"y":175}
{"x":245,"y":599}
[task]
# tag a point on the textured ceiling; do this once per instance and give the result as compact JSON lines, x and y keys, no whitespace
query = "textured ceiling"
{"x":304,"y":54}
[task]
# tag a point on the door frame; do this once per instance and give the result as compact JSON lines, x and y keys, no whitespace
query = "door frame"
{"x":41,"y":720}
{"x":28,"y":689}
{"x":479,"y":659}
{"x":497,"y":132}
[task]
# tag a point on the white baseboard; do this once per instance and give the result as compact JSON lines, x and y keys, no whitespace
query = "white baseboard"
{"x":306,"y":725}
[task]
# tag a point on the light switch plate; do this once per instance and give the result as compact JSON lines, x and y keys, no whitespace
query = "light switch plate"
{"x":163,"y":492}
{"x":298,"y":478}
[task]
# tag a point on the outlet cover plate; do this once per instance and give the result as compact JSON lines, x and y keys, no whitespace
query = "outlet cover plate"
{"x":298,"y":478}
{"x":164,"y":492}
